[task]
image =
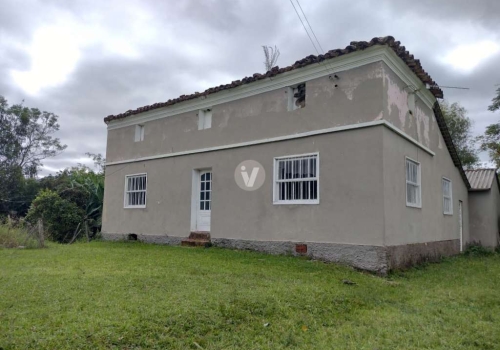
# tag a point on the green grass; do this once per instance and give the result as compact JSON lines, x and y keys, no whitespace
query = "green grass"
{"x":139,"y":296}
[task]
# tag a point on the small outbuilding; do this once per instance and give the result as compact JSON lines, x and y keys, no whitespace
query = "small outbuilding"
{"x":484,"y":207}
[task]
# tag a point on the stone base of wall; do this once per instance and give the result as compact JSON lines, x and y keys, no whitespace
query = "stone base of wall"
{"x":376,"y":259}
{"x":404,"y":256}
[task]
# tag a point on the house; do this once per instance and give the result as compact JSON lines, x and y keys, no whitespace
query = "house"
{"x":354,"y":164}
{"x":484,"y":207}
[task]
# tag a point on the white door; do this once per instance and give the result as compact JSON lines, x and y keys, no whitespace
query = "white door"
{"x":461,"y":225}
{"x":204,"y":201}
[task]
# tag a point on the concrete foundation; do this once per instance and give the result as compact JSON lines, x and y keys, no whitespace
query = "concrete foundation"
{"x":376,"y":259}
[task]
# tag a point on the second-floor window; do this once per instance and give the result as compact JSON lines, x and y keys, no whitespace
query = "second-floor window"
{"x":139,"y":133}
{"x":413,"y":184}
{"x":204,"y":119}
{"x":297,"y":97}
{"x":447,"y":197}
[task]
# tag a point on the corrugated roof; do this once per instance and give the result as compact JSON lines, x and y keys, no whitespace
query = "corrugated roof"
{"x":481,"y":179}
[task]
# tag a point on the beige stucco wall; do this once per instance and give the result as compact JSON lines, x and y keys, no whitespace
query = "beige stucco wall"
{"x":362,"y":172}
{"x":484,"y":216}
{"x":351,"y":208}
{"x":357,"y":98}
{"x":404,"y":224}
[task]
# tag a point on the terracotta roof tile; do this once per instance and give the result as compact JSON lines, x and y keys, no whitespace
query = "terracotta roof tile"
{"x":411,"y":62}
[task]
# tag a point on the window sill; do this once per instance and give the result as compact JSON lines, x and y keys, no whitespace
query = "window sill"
{"x":416,"y":206}
{"x":295,"y":202}
{"x":135,"y":207}
{"x":448,"y":214}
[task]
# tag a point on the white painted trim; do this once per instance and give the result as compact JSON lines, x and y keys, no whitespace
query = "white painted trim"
{"x":275,"y":178}
{"x":419,"y":176}
{"x":451,"y":195}
{"x":285,"y":80}
{"x":281,"y":138}
{"x":194,"y":197}
{"x":125,"y":206}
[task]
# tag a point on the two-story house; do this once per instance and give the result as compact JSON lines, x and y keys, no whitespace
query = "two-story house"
{"x":357,"y":163}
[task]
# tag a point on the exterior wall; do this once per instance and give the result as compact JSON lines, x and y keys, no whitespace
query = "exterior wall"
{"x":362,"y":218}
{"x":484,"y":216}
{"x":408,"y":225}
{"x":350,"y":210}
{"x":357,"y":99}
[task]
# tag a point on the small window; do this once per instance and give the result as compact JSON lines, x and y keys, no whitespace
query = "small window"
{"x":413,"y":184}
{"x":296,"y":179}
{"x":204,"y":119}
{"x":447,"y":197}
{"x":139,"y":133}
{"x":135,"y":191}
{"x":297,"y":97}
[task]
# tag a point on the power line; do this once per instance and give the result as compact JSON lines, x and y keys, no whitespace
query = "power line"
{"x":303,"y":25}
{"x":312,"y":31}
{"x":326,"y":65}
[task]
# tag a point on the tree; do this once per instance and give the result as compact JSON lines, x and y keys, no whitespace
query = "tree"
{"x":271,"y":56}
{"x":460,"y":125}
{"x":490,"y":141}
{"x":495,"y":102}
{"x":26,"y":137}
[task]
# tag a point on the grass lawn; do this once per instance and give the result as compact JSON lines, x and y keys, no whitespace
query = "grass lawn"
{"x":139,"y":296}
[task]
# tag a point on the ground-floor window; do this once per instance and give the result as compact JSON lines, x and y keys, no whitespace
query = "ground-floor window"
{"x":135,"y":191}
{"x":296,"y":179}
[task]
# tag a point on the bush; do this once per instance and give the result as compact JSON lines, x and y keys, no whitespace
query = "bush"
{"x":60,"y":216}
{"x":476,"y":249}
{"x":13,"y":237}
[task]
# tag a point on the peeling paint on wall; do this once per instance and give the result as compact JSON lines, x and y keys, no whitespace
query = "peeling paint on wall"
{"x":397,"y":98}
{"x":379,"y":116}
{"x":422,"y":119}
{"x":348,"y":85}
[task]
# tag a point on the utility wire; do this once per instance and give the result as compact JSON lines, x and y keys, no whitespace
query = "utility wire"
{"x":303,"y":25}
{"x":312,"y":31}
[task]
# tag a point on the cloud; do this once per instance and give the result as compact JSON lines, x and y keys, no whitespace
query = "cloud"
{"x":84,"y":60}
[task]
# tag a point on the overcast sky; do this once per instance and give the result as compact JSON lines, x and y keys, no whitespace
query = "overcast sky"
{"x":84,"y":60}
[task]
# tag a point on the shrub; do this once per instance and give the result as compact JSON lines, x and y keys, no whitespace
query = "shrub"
{"x":60,"y":216}
{"x":13,"y":237}
{"x":476,"y":249}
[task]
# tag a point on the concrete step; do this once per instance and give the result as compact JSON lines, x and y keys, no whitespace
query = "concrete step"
{"x":195,"y":242}
{"x":200,"y":235}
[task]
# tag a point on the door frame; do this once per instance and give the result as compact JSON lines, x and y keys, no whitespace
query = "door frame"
{"x":195,"y":183}
{"x":461,"y":224}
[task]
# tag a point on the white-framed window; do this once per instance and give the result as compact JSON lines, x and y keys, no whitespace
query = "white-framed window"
{"x":296,"y":97}
{"x":135,"y":191}
{"x":447,"y":197}
{"x":139,"y":133}
{"x":413,"y":184}
{"x":296,"y":179}
{"x":204,"y":119}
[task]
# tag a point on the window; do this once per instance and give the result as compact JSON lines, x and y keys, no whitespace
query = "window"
{"x":139,"y":133}
{"x":296,"y":179}
{"x":447,"y":197}
{"x":297,"y":97}
{"x":135,"y":191}
{"x":204,"y":119}
{"x":413,"y":187}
